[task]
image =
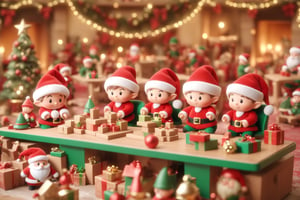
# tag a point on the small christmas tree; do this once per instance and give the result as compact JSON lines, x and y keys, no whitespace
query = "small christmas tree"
{"x":21,"y":122}
{"x":89,"y":105}
{"x":23,"y":69}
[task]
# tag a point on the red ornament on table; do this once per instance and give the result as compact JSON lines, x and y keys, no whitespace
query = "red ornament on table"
{"x":151,"y":141}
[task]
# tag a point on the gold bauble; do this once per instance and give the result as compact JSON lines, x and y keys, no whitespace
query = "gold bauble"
{"x":229,"y":146}
{"x":187,"y":190}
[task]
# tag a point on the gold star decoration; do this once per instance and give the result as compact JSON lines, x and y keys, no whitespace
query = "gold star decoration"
{"x":22,"y":26}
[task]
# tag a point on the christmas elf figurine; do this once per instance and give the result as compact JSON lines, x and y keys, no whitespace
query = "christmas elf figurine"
{"x":193,"y":63}
{"x":93,"y":53}
{"x":230,"y":186}
{"x":51,"y":96}
{"x":295,"y":103}
{"x":66,"y":71}
{"x":245,"y":95}
{"x":201,"y":90}
{"x":164,"y":185}
{"x":173,"y":53}
{"x":163,"y":87}
{"x":39,"y":169}
{"x":133,"y":56}
{"x":27,"y":110}
{"x":243,"y":67}
{"x":121,"y":87}
{"x":88,"y":69}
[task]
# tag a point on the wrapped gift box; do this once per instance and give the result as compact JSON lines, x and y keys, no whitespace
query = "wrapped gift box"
{"x":21,"y":165}
{"x":101,"y":185}
{"x":9,"y":178}
{"x":208,"y":145}
{"x":144,"y":118}
{"x":248,"y":144}
{"x":79,"y":178}
{"x":274,"y":135}
{"x":69,"y":194}
{"x":200,"y":137}
{"x":112,"y":173}
{"x":92,"y":170}
{"x":57,"y":152}
{"x":58,"y":163}
{"x":108,"y":193}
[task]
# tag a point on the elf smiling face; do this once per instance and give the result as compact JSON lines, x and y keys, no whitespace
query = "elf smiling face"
{"x":52,"y":101}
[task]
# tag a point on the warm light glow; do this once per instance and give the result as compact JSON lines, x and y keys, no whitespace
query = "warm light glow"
{"x":204,"y":36}
{"x":120,"y":49}
{"x":2,"y":50}
{"x":269,"y":46}
{"x":134,"y":15}
{"x":18,"y":92}
{"x":278,"y":48}
{"x":221,"y":25}
{"x":21,"y":87}
{"x":85,"y":40}
{"x":116,"y":5}
{"x":149,"y":6}
{"x":119,"y":65}
{"x":60,"y":42}
{"x":102,"y":56}
{"x":263,"y":48}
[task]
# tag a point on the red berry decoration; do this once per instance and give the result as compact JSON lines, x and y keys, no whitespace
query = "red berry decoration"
{"x":151,"y":141}
{"x":18,"y":72}
{"x":24,"y":58}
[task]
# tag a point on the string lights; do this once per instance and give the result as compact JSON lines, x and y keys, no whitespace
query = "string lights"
{"x":251,"y":5}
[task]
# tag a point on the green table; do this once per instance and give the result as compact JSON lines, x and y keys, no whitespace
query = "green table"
{"x":199,"y":164}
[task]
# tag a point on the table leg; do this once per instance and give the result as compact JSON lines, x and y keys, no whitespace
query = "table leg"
{"x":75,"y":155}
{"x":206,"y":177}
{"x":276,"y":92}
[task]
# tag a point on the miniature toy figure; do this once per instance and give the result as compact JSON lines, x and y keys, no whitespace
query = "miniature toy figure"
{"x":292,"y":66}
{"x":121,"y":87}
{"x":188,"y":190}
{"x":245,"y":95}
{"x":39,"y":169}
{"x":66,"y":71}
{"x":88,"y":69}
{"x":243,"y":67}
{"x":173,"y":53}
{"x":134,"y":54}
{"x":202,"y":57}
{"x":51,"y":96}
{"x":201,"y":90}
{"x":27,"y":110}
{"x":193,"y":63}
{"x":93,"y":53}
{"x":230,"y":185}
{"x":163,"y":87}
{"x":164,"y":185}
{"x":295,"y":103}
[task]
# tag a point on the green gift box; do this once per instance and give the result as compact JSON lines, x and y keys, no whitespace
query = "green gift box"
{"x":58,"y":153}
{"x":207,"y":145}
{"x":248,"y":145}
{"x":107,"y":194}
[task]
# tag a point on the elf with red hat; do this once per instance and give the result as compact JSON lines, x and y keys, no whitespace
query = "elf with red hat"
{"x":243,"y":67}
{"x":27,"y":111}
{"x":164,"y":185}
{"x":93,"y":53}
{"x":295,"y":103}
{"x":163,"y":87}
{"x":89,"y":68}
{"x":121,"y":87}
{"x":201,"y":90}
{"x":245,"y":95}
{"x":230,"y":185}
{"x":39,"y":169}
{"x":51,"y":96}
{"x":66,"y":71}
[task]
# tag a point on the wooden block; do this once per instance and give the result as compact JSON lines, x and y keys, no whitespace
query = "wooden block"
{"x":79,"y":118}
{"x":171,"y":132}
{"x":113,"y":135}
{"x":79,"y":131}
{"x":96,"y":121}
{"x":103,"y":129}
{"x":169,"y":125}
{"x":160,"y":132}
{"x":58,"y":163}
{"x":148,"y":130}
{"x":70,"y":123}
{"x":147,"y":124}
{"x":123,"y":124}
{"x":111,"y":117}
{"x":60,"y":128}
{"x":94,"y":113}
{"x":144,"y":118}
{"x":162,"y":138}
{"x":68,"y":130}
{"x":91,"y":171}
{"x":92,"y":127}
{"x":89,"y":132}
{"x":172,"y":138}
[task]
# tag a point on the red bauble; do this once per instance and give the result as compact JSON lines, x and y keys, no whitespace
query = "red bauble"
{"x":116,"y":196}
{"x":24,"y":58}
{"x":16,"y":44}
{"x":18,"y":72}
{"x":151,"y":141}
{"x":28,"y":79}
{"x":15,"y":57}
{"x":32,"y":46}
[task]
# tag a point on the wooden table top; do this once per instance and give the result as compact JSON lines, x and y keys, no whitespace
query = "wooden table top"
{"x":280,"y":78}
{"x":176,"y":150}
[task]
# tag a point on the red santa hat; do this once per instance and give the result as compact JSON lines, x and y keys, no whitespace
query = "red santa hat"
{"x":27,"y":103}
{"x":235,"y":175}
{"x":296,"y":92}
{"x":134,"y":47}
{"x":33,"y":154}
{"x":254,"y":87}
{"x":192,"y":52}
{"x":51,"y":82}
{"x":61,"y":67}
{"x":123,"y":77}
{"x":94,"y":47}
{"x":166,"y":80}
{"x":204,"y":79}
{"x":295,"y":50}
{"x":87,"y":59}
{"x":245,"y":57}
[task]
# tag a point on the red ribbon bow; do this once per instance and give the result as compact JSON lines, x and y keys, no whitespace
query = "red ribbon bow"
{"x":8,"y":15}
{"x":248,"y":138}
{"x":274,"y":127}
{"x":5,"y":165}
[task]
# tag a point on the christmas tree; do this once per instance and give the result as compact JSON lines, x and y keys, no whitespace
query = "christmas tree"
{"x":23,"y":69}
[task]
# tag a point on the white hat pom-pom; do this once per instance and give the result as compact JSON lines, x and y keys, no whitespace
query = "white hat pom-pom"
{"x":18,"y":160}
{"x":177,"y":104}
{"x":268,"y":110}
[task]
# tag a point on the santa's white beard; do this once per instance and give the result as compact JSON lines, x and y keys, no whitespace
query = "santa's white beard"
{"x":227,"y":190}
{"x":39,"y":173}
{"x":292,"y":62}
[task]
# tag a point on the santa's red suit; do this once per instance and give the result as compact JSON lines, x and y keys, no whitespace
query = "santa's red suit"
{"x":197,"y":117}
{"x":30,"y":118}
{"x":158,"y":108}
{"x":236,"y":121}
{"x":125,"y":108}
{"x":55,"y":116}
{"x":36,"y":181}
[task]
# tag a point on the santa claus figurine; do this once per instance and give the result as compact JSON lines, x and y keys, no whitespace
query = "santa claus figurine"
{"x":51,"y":96}
{"x":230,"y":186}
{"x":39,"y":169}
{"x":27,"y":111}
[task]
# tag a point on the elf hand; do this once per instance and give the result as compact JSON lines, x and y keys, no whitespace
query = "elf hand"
{"x":65,"y":115}
{"x":210,"y":116}
{"x":225,"y":118}
{"x":163,"y":115}
{"x":182,"y":116}
{"x":245,"y":123}
{"x":144,"y":111}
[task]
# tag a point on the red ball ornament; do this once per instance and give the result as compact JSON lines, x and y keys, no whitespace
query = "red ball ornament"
{"x":151,"y":141}
{"x":28,"y":79}
{"x":116,"y":196}
{"x":17,"y":43}
{"x":24,"y":58}
{"x":32,"y":46}
{"x":18,"y":72}
{"x":15,"y":57}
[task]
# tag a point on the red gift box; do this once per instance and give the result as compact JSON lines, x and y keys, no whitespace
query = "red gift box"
{"x":199,"y":137}
{"x":102,"y":185}
{"x":274,"y":135}
{"x":92,"y":127}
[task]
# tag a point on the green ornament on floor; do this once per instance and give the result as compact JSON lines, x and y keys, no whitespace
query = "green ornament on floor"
{"x":21,"y":122}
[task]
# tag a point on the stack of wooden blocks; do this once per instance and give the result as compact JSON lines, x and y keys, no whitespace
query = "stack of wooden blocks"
{"x":168,"y":133}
